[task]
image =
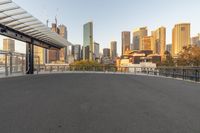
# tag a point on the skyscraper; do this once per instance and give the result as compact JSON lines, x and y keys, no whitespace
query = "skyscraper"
{"x":63,"y":51}
{"x":54,"y":28}
{"x":39,"y":55}
{"x":196,"y":40}
{"x":159,"y":41}
{"x":169,"y":48}
{"x":126,"y":36}
{"x":9,"y":45}
{"x":63,"y":31}
{"x":180,"y":37}
{"x":76,"y":52}
{"x":113,"y":49}
{"x":138,"y":35}
{"x":96,"y":50}
{"x":146,"y":43}
{"x":106,"y":52}
{"x":53,"y":54}
{"x":88,"y":41}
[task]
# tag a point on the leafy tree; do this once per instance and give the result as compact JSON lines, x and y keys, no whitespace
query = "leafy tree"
{"x":168,"y":60}
{"x":189,"y":56}
{"x":91,"y":66}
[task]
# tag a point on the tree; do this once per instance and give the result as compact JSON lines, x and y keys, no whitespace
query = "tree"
{"x":168,"y":59}
{"x":189,"y":56}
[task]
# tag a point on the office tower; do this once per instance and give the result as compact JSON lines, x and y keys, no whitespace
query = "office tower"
{"x":82,"y":53}
{"x":86,"y":53}
{"x":113,"y":49}
{"x":9,"y":45}
{"x":138,"y":35}
{"x":54,"y":28}
{"x":76,"y":52}
{"x":39,"y":55}
{"x":49,"y":54}
{"x":53,"y":55}
{"x":96,"y":50}
{"x":180,"y":37}
{"x":196,"y":40}
{"x":63,"y":51}
{"x":88,"y":41}
{"x":146,"y":43}
{"x":126,"y":36}
{"x":159,"y":41}
{"x":169,"y":48}
{"x":63,"y":31}
{"x":106,"y":52}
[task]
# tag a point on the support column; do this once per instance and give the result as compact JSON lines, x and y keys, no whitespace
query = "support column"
{"x":29,"y":58}
{"x":11,"y":63}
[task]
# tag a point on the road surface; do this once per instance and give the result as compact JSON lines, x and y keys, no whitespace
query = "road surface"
{"x":98,"y":103}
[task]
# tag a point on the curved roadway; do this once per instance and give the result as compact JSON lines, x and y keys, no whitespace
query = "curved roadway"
{"x":98,"y":103}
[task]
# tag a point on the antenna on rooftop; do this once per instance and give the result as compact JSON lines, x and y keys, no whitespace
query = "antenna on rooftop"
{"x":47,"y":22}
{"x":56,"y":17}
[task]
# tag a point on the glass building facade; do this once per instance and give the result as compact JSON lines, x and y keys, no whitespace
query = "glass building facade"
{"x":88,"y":41}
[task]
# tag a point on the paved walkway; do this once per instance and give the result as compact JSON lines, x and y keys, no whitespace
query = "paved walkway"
{"x":98,"y":103}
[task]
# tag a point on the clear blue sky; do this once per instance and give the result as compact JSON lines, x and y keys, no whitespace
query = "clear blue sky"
{"x":110,"y":17}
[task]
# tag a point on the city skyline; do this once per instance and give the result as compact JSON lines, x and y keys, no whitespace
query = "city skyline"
{"x":164,"y":13}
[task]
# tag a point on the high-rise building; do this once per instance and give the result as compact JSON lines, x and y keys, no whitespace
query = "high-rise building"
{"x":39,"y":55}
{"x":54,"y":28}
{"x":196,"y":40}
{"x":57,"y":55}
{"x":9,"y":45}
{"x":138,"y":35}
{"x":113,"y":49}
{"x":63,"y":51}
{"x":146,"y":43}
{"x":159,"y":41}
{"x":88,"y":41}
{"x":96,"y":50}
{"x":53,"y":55}
{"x":106,"y":52}
{"x":63,"y":31}
{"x":126,"y":37}
{"x":76,"y":52}
{"x":180,"y":37}
{"x":169,"y":48}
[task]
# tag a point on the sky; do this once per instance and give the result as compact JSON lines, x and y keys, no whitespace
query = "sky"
{"x":111,"y":17}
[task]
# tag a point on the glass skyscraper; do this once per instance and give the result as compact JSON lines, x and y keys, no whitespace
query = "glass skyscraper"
{"x":88,"y":41}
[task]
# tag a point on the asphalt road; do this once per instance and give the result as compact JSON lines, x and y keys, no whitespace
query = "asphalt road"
{"x":98,"y":103}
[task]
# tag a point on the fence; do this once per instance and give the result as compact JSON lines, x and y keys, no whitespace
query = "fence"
{"x":185,"y":73}
{"x":12,"y":63}
{"x":15,"y":63}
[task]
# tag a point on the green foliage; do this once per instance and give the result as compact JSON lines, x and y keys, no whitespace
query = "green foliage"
{"x":90,"y":66}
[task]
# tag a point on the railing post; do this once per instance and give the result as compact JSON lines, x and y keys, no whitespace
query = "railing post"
{"x":11,"y":64}
{"x":196,"y":75}
{"x":6,"y":64}
{"x":183,"y":74}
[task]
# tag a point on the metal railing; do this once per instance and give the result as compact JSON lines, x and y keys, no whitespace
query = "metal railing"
{"x":12,"y":63}
{"x":185,"y":73}
{"x":15,"y":63}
